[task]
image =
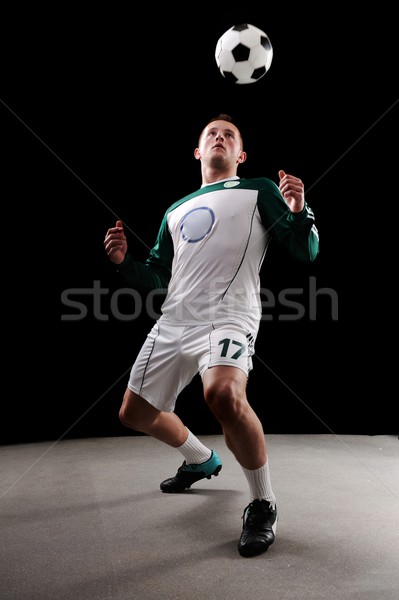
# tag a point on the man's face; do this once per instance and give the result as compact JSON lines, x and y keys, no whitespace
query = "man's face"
{"x":220,"y":145}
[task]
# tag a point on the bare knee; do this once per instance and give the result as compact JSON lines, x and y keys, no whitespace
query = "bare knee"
{"x":136,"y":413}
{"x":226,"y":401}
{"x":127,"y":413}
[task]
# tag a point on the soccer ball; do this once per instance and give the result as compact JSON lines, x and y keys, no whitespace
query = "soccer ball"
{"x":243,"y":53}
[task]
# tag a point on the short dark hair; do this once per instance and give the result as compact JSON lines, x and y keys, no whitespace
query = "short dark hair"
{"x":221,"y":117}
{"x":224,"y":117}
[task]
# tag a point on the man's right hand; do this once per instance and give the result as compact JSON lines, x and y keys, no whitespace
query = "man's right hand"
{"x":115,"y":243}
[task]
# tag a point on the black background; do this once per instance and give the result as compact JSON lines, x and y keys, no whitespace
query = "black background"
{"x":100,"y":115}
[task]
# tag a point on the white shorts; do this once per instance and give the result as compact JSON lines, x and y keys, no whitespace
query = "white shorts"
{"x":171,"y":356}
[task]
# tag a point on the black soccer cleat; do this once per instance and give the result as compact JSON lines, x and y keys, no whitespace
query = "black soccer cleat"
{"x":259,"y":528}
{"x":188,"y":474}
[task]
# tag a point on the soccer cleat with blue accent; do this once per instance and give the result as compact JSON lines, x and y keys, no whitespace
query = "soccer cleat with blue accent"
{"x":259,"y":528}
{"x":188,"y":474}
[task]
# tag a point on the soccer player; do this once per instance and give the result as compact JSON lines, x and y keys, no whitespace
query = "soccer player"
{"x":208,"y":254}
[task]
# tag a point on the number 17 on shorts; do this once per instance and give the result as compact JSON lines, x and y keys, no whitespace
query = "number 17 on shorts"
{"x":231,"y":347}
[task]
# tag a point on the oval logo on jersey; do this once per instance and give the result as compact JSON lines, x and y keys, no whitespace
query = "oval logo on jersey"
{"x":230,"y":184}
{"x":197,"y":223}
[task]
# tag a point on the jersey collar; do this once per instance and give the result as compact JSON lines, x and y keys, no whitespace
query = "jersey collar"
{"x":221,"y":181}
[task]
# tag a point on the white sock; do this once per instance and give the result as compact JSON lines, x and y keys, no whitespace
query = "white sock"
{"x":194,"y":451}
{"x":259,"y":484}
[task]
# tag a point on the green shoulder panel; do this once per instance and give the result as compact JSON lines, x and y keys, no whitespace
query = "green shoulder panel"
{"x":297,"y":232}
{"x":162,"y":252}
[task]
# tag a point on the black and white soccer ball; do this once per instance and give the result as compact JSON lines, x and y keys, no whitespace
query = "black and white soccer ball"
{"x":244,"y":54}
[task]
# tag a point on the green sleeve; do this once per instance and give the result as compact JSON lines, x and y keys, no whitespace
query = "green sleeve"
{"x":296,"y":232}
{"x":155,"y":273}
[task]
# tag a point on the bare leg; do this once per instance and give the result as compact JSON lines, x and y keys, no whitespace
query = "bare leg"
{"x":136,"y":413}
{"x":225,"y":394}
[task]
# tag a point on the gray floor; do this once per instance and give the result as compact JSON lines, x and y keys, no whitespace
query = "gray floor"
{"x":84,"y":519}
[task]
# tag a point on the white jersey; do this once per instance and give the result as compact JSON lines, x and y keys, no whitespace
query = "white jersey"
{"x":212,"y":244}
{"x":219,"y":243}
